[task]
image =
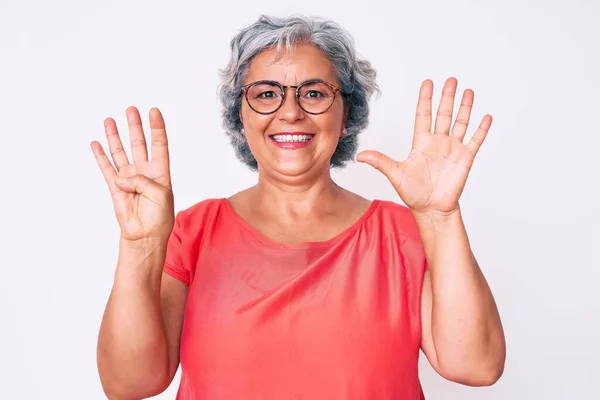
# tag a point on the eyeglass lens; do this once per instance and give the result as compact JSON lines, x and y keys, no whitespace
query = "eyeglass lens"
{"x":313,"y":97}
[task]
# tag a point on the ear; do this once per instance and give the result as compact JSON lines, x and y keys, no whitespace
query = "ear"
{"x":344,"y":120}
{"x":242,"y":121}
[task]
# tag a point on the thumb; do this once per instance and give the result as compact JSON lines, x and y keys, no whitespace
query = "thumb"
{"x":143,"y":185}
{"x":377,"y":160}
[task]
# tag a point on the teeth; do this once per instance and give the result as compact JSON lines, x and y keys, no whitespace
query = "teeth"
{"x":292,"y":138}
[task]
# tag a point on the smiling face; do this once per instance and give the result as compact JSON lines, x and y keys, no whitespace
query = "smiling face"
{"x":290,"y":141}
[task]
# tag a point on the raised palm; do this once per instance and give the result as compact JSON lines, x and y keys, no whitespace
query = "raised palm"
{"x":143,"y":203}
{"x":433,"y":176}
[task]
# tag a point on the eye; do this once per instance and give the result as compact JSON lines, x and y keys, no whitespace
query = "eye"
{"x":266,"y":95}
{"x":313,"y":94}
{"x":264,"y":92}
{"x":316,"y":92}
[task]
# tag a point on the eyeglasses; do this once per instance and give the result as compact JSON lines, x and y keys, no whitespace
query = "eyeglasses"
{"x":313,"y":96}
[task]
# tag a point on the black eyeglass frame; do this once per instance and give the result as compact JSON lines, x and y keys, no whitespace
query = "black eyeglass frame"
{"x":283,"y":89}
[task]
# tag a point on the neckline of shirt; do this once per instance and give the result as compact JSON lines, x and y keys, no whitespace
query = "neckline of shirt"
{"x":255,"y":233}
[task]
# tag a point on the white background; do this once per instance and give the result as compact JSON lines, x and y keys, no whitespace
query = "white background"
{"x":531,"y":203}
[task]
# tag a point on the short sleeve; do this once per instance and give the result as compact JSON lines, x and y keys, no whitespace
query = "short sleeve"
{"x":425,"y":260}
{"x":420,"y":255}
{"x":174,"y":264}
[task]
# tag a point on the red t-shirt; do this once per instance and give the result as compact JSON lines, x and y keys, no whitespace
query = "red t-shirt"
{"x":338,"y":319}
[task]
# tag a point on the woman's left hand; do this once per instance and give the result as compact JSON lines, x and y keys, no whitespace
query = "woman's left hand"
{"x":433,"y":176}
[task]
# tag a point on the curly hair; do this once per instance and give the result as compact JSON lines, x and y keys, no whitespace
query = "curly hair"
{"x":355,"y":74}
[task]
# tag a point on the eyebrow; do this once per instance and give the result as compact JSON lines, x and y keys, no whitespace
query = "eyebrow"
{"x":279,"y":83}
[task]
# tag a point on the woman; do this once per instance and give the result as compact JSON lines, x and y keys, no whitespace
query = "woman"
{"x":296,"y":287}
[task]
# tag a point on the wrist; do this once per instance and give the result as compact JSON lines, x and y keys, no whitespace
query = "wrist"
{"x":437,"y":218}
{"x":144,"y":245}
{"x":142,"y":258}
{"x":142,"y":251}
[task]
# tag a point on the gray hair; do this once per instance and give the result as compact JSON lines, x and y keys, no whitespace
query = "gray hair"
{"x":356,"y":76}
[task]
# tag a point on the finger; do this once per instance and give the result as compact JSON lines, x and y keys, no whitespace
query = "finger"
{"x":137,"y":139}
{"x":480,"y":135}
{"x":160,"y":144}
{"x":115,"y":145}
{"x":423,"y":115}
{"x":377,"y":160}
{"x":464,"y":114}
{"x":107,"y":169}
{"x":145,"y":186}
{"x":443,"y":119}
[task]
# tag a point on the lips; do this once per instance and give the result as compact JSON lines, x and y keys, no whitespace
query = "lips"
{"x":292,"y":137}
{"x":292,"y":140}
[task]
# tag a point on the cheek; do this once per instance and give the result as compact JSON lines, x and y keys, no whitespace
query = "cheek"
{"x":332,"y":121}
{"x":253,"y":122}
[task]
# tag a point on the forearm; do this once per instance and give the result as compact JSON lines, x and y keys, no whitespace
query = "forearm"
{"x":465,"y":324}
{"x":132,"y":349}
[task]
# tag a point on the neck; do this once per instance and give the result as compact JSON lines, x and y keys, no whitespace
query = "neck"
{"x":299,"y":197}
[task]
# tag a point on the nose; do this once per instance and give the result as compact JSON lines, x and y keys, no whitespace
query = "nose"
{"x":290,"y":110}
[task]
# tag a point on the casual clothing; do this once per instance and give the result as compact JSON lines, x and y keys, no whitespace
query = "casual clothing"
{"x":339,"y":319}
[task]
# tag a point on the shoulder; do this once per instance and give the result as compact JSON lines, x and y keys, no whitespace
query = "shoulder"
{"x":398,"y":218}
{"x":399,"y":226}
{"x":201,"y":221}
{"x":201,"y":212}
{"x":393,"y":208}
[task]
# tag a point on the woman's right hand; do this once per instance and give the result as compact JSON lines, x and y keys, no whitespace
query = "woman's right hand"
{"x":141,"y":190}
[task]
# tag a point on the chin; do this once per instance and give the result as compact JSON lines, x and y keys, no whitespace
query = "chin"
{"x":290,"y":168}
{"x":293,"y":168}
